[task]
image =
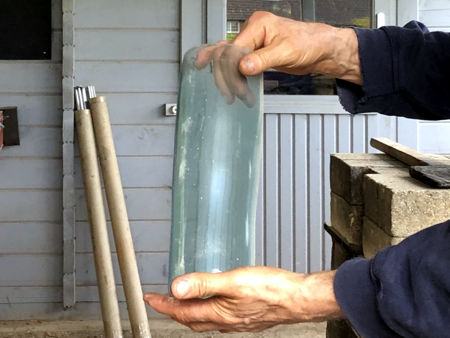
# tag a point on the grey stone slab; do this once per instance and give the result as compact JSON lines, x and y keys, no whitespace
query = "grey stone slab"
{"x":346,"y":219}
{"x":347,"y":172}
{"x":375,"y":239}
{"x":401,"y":205}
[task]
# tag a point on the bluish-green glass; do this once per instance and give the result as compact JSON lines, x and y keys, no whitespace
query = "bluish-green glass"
{"x":216,"y":174}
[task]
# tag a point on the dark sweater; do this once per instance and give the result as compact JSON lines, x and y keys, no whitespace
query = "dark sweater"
{"x":404,"y":291}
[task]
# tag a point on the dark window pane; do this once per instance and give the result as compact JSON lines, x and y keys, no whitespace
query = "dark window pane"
{"x":25,"y":29}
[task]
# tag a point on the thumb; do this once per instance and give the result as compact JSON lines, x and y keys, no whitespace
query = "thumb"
{"x":259,"y":61}
{"x":199,"y":285}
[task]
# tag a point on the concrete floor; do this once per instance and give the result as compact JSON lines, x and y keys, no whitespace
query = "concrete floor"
{"x":159,"y":328}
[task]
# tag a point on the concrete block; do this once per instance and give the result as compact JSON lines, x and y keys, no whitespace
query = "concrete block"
{"x":401,"y":205}
{"x":375,"y":239}
{"x":347,"y":172}
{"x":346,"y":219}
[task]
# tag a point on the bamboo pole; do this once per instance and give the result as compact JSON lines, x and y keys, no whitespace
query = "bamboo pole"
{"x":97,"y":222}
{"x":119,"y":218}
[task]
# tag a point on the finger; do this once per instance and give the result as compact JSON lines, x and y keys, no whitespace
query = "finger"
{"x":202,"y":327}
{"x":218,"y":72}
{"x":261,"y":60}
{"x":201,"y":285}
{"x":236,"y":82}
{"x":204,"y":57}
{"x":204,"y":54}
{"x":253,"y":32}
{"x":183,"y":311}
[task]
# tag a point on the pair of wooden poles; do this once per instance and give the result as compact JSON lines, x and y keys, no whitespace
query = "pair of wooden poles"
{"x":94,"y":134}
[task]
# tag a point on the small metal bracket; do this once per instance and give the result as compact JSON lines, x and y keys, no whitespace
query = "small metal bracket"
{"x":170,"y":109}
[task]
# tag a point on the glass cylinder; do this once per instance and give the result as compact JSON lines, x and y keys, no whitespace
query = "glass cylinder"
{"x":216,"y":169}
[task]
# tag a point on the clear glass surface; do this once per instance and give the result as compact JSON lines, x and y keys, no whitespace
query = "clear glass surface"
{"x":216,"y":174}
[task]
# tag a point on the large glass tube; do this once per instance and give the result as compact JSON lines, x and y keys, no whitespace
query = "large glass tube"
{"x":216,"y":170}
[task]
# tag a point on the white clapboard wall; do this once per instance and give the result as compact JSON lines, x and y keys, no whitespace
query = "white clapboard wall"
{"x":31,"y":181}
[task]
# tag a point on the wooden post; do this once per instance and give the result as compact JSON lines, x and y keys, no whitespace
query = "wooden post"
{"x":97,"y":222}
{"x":119,"y":218}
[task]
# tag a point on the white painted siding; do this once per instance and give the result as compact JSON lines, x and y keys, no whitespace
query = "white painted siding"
{"x":30,"y":188}
{"x":130,"y":51}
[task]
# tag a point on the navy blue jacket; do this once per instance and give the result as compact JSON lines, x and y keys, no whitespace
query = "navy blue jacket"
{"x":404,"y":291}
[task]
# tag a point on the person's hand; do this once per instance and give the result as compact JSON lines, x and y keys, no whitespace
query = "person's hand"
{"x":225,"y":59}
{"x":248,"y":299}
{"x":286,"y":45}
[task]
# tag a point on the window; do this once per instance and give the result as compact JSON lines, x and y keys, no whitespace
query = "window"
{"x":339,"y":13}
{"x":25,"y":29}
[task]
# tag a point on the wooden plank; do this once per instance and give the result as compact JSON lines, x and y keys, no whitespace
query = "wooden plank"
{"x":329,"y":147}
{"x":128,"y":76}
{"x":144,"y":140}
{"x":30,"y":205}
{"x":286,"y":192}
{"x":56,"y":46}
{"x":41,"y":77}
{"x":137,"y":172}
{"x":191,"y":25}
{"x":140,"y":108}
{"x":101,"y":44}
{"x":30,"y":294}
{"x":303,"y":104}
{"x":34,"y":173}
{"x":301,"y":189}
{"x":434,"y":137}
{"x":438,"y":17}
{"x":36,"y":142}
{"x":127,"y":14}
{"x":315,"y":167}
{"x":30,"y":237}
{"x":271,"y":193}
{"x":30,"y":270}
{"x":433,"y":4}
{"x":358,"y":134}
{"x":216,"y":20}
{"x":152,"y":268}
{"x":147,"y":236}
{"x":56,"y":14}
{"x":142,"y":204}
{"x":37,"y":110}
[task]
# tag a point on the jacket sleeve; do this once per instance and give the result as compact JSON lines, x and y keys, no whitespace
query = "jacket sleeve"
{"x":404,"y":291}
{"x":406,"y":72}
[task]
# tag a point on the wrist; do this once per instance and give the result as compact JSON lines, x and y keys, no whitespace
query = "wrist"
{"x":341,"y":59}
{"x":316,"y":299}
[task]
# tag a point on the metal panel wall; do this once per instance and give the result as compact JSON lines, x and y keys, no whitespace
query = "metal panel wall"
{"x":300,"y":134}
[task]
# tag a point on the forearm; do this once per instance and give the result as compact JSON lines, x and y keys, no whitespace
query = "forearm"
{"x":315,"y":299}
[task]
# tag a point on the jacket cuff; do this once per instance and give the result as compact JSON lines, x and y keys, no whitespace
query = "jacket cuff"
{"x":356,"y":295}
{"x":375,"y":53}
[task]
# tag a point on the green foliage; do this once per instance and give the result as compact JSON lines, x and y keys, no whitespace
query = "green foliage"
{"x":363,"y":22}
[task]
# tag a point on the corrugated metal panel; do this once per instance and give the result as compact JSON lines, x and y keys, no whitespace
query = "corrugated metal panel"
{"x":295,"y":194}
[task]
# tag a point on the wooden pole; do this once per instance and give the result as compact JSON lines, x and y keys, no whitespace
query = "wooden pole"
{"x":97,"y":222}
{"x":119,"y":218}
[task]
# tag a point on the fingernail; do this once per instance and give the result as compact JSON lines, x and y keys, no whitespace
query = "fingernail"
{"x":182,"y":288}
{"x":249,"y":65}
